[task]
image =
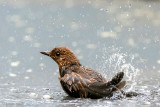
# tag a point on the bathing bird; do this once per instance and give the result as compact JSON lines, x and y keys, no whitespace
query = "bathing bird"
{"x":82,"y":82}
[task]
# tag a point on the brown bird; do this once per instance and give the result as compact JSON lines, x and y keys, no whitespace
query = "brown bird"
{"x":79,"y":81}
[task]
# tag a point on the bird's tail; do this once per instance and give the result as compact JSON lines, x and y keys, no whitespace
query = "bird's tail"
{"x":107,"y":89}
{"x":116,"y":81}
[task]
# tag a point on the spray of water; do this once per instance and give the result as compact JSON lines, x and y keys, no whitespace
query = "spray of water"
{"x":115,"y":61}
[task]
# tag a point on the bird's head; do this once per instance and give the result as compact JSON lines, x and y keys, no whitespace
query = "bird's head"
{"x":63,"y":56}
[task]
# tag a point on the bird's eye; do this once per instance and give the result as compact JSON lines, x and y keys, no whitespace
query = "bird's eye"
{"x":57,"y":54}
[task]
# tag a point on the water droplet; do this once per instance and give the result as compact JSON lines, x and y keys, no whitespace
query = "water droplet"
{"x":158,"y":61}
{"x":101,"y":9}
{"x":41,"y":64}
{"x":14,"y":53}
{"x":27,"y":38}
{"x":37,"y":45}
{"x":107,"y":34}
{"x":33,"y":95}
{"x":15,"y":64}
{"x":12,"y":75}
{"x":29,"y":70}
{"x":26,"y":77}
{"x":91,"y":46}
{"x":11,"y":39}
{"x":47,"y":97}
{"x":13,"y":89}
{"x":62,"y":25}
{"x":29,"y":30}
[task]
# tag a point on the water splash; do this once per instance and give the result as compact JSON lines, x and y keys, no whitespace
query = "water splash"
{"x":115,"y":61}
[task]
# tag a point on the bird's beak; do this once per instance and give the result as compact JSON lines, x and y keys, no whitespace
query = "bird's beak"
{"x":45,"y":53}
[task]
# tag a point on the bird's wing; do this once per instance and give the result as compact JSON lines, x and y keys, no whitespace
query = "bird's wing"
{"x":75,"y":83}
{"x":90,"y":86}
{"x":100,"y":82}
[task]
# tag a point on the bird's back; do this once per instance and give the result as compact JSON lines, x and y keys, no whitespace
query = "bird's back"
{"x":91,"y":74}
{"x":85,"y":82}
